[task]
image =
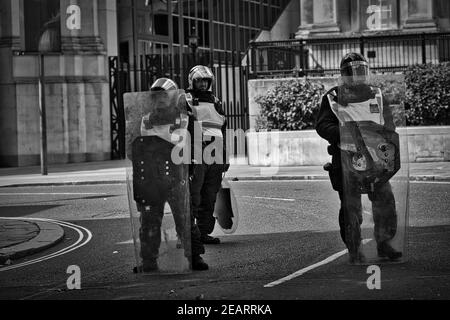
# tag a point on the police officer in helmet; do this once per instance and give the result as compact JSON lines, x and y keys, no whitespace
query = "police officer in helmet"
{"x":207,"y":175}
{"x":355,"y":100}
{"x":156,"y":186}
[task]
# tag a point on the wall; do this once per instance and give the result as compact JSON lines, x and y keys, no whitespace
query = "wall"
{"x":287,"y":23}
{"x":77,"y":88}
{"x":307,"y":148}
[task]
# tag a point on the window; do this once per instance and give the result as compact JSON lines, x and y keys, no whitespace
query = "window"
{"x":317,"y":12}
{"x":153,"y":17}
{"x":42,"y":25}
{"x":378,"y":15}
{"x":419,"y":9}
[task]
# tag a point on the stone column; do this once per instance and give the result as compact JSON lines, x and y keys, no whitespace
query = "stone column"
{"x":318,"y":17}
{"x":87,"y":37}
{"x":10,"y":41}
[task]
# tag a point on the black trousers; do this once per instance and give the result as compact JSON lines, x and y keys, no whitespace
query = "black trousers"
{"x":384,"y":215}
{"x":157,"y":180}
{"x":206,"y":183}
{"x":350,"y":213}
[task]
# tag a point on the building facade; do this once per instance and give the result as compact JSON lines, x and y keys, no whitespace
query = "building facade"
{"x":80,"y":35}
{"x":143,"y":38}
{"x":392,"y":34}
{"x":348,"y":17}
{"x":99,"y":49}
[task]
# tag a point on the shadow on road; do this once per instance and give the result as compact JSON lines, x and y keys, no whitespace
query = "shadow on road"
{"x":23,"y":211}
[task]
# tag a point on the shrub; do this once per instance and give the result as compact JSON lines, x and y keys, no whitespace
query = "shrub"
{"x":394,"y":93}
{"x":428,"y":95}
{"x":291,"y":105}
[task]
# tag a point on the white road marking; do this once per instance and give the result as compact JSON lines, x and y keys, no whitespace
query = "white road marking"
{"x":81,"y":242}
{"x":126,"y":242}
{"x":314,"y":266}
{"x":326,"y":180}
{"x":265,"y":198}
{"x":280,"y":181}
{"x":53,"y":194}
{"x":430,"y":182}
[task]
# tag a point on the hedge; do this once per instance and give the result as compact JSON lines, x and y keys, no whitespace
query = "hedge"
{"x":420,"y":98}
{"x":428,"y":95}
{"x":290,"y":105}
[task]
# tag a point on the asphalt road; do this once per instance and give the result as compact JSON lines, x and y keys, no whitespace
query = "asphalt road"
{"x":284,"y":227}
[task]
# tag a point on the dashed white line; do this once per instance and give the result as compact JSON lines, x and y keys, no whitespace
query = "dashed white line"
{"x":312,"y":267}
{"x":266,"y":198}
{"x":430,"y":182}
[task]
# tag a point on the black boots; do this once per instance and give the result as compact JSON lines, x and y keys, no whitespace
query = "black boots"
{"x":357,"y":257}
{"x":198,"y":264}
{"x":150,"y":266}
{"x":385,"y":250}
{"x":206,"y":239}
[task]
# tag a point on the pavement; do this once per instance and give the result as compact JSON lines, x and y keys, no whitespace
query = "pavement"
{"x":21,"y":237}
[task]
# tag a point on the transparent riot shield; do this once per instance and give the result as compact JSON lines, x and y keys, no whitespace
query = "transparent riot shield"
{"x":375,"y":168}
{"x":158,"y":181}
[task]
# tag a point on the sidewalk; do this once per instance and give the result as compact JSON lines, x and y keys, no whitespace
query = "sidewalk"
{"x":114,"y":172}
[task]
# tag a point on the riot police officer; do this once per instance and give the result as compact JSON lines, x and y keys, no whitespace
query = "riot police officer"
{"x":157,"y":180}
{"x":354,"y":100}
{"x":207,"y":175}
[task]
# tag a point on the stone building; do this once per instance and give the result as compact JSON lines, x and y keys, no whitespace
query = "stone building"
{"x":82,"y":34}
{"x":166,"y":36}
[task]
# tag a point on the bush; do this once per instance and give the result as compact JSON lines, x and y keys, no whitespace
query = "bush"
{"x":291,"y":105}
{"x":394,"y":93}
{"x":421,"y":97}
{"x":428,"y":94}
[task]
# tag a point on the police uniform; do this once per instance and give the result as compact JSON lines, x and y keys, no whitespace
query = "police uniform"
{"x":207,"y":173}
{"x":157,"y":180}
{"x":360,"y":103}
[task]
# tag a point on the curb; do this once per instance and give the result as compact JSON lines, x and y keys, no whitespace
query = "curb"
{"x":61,"y":184}
{"x":233,"y":179}
{"x":50,"y":234}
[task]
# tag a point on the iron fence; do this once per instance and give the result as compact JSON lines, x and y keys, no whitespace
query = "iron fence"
{"x":230,"y":87}
{"x":321,"y":56}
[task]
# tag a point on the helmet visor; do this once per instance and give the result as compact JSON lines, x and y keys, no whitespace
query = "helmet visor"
{"x":355,"y":72}
{"x":355,"y":69}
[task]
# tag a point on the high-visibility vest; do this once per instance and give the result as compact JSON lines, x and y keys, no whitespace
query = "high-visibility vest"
{"x":209,"y":119}
{"x":370,"y":110}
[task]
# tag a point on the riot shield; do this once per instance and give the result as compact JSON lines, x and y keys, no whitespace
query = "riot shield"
{"x":374,"y":168}
{"x":156,"y":124}
{"x":226,"y":209}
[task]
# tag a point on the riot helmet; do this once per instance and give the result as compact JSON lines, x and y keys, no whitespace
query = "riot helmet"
{"x":201,"y":73}
{"x":163,"y":84}
{"x":354,"y":69}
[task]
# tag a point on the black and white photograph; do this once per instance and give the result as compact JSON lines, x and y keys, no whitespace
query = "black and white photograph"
{"x":220,"y":157}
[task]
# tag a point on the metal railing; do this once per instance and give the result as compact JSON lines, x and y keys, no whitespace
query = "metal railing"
{"x":322,"y":56}
{"x":230,"y":86}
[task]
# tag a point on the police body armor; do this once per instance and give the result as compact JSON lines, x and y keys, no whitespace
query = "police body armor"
{"x":157,"y":122}
{"x":370,"y":151}
{"x":211,"y":123}
{"x":205,"y":113}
